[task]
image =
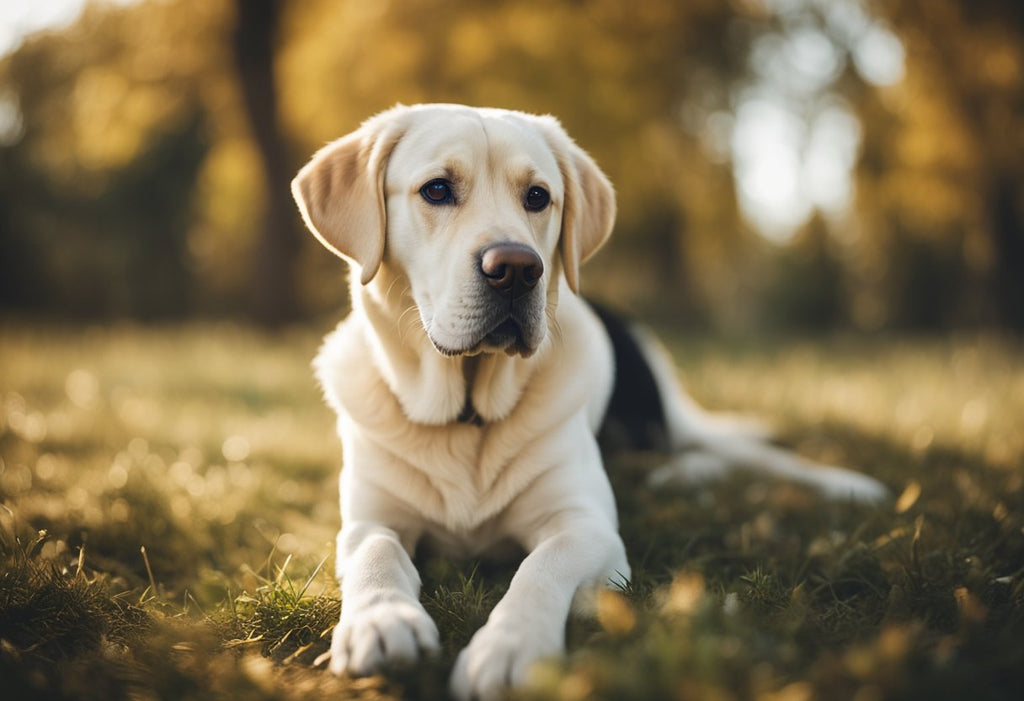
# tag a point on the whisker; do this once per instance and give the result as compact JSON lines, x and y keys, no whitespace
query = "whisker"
{"x":387,"y":293}
{"x":403,"y":323}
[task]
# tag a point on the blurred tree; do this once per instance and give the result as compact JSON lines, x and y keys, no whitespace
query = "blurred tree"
{"x":808,"y":293}
{"x":944,"y":157}
{"x":160,"y":137}
{"x":272,"y":280}
{"x":97,"y":182}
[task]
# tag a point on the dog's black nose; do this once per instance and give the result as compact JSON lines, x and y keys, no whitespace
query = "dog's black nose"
{"x":511,"y":267}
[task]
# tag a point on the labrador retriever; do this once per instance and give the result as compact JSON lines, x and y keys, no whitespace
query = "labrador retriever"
{"x":471,"y":382}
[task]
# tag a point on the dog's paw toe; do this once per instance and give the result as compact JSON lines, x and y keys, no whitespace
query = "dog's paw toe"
{"x":382,"y":635}
{"x":497,"y":658}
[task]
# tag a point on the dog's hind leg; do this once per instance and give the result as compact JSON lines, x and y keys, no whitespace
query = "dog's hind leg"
{"x":707,"y":446}
{"x":723,"y":456}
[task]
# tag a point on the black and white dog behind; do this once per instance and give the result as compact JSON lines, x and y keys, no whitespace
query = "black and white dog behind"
{"x":471,"y":381}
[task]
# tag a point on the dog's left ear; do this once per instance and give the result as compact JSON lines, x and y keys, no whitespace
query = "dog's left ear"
{"x":340,"y":192}
{"x":588,"y":213}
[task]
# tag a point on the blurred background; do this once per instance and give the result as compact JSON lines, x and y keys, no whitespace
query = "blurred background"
{"x":781,"y":165}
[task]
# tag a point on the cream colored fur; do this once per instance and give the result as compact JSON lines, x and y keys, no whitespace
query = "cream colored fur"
{"x":399,"y":369}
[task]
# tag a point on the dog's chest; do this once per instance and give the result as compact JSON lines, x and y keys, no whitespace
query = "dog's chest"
{"x":458,"y":477}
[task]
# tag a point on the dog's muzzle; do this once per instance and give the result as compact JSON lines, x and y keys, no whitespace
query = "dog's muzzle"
{"x":510,"y":317}
{"x":512,"y":271}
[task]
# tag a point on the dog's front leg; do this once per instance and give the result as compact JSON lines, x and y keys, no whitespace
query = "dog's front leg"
{"x":528,"y":624}
{"x":382,"y":620}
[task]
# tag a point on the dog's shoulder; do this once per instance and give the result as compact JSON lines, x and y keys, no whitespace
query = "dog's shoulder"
{"x":350,"y":376}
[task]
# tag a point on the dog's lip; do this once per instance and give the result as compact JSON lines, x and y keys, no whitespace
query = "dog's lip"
{"x":507,"y":335}
{"x":508,"y":330}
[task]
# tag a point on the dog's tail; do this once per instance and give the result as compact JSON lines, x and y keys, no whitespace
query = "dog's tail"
{"x":705,"y":446}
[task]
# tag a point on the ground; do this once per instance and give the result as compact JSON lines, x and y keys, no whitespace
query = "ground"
{"x":169,"y":505}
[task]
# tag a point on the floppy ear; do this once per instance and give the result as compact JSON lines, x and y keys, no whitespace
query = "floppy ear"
{"x":588,"y":214}
{"x":589,"y":210}
{"x":340,"y":193}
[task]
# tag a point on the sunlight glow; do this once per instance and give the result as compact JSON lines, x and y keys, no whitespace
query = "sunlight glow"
{"x":879,"y":57}
{"x":20,"y":19}
{"x":830,"y":158}
{"x":766,"y":149}
{"x":794,"y":147}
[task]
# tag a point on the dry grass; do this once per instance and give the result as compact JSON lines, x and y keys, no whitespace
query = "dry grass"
{"x":209,"y":447}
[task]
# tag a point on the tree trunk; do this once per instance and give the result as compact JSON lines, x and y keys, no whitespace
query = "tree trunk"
{"x":272,"y":298}
{"x":1007,"y":232}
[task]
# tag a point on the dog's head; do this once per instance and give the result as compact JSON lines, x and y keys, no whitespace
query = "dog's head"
{"x":480,"y":210}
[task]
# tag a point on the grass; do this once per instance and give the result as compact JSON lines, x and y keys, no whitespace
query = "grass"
{"x":169,"y":506}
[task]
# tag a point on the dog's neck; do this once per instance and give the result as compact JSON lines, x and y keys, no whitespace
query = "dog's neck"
{"x":469,"y":414}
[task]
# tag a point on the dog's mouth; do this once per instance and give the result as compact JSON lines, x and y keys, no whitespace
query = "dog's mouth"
{"x":505,"y":334}
{"x":508,"y":336}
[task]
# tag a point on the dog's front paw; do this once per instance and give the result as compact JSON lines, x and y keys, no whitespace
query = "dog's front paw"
{"x":380,"y":635}
{"x":499,"y":657}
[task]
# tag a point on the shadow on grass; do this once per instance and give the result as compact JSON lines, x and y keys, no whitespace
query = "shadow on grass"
{"x":920,"y":598}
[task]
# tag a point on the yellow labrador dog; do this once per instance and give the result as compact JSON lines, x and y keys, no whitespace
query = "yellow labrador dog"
{"x":471,"y":380}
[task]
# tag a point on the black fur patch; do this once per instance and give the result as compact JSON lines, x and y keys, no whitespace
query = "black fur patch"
{"x":635,"y":419}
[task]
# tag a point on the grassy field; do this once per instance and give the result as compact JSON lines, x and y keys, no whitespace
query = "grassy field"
{"x":168,"y":505}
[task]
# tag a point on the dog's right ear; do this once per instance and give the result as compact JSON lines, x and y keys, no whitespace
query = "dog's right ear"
{"x":340,"y":193}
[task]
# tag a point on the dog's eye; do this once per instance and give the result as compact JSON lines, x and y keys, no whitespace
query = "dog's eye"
{"x":537,"y":198}
{"x":438,"y":192}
